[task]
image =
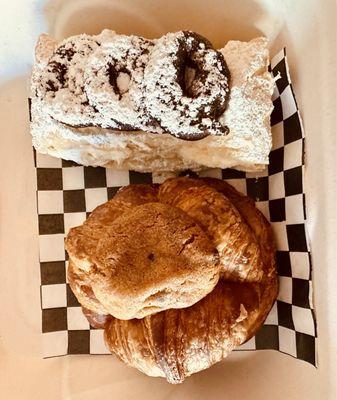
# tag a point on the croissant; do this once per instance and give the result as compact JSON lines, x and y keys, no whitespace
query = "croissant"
{"x":179,"y":341}
{"x":239,"y":251}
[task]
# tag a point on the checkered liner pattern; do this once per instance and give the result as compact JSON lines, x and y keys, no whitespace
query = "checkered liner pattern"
{"x":68,"y":192}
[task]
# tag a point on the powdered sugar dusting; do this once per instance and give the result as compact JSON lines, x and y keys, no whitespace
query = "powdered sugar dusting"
{"x":165,"y":98}
{"x":120,"y":59}
{"x":250,"y":103}
{"x":119,"y":81}
{"x":61,"y":82}
{"x":247,"y":115}
{"x":123,"y":82}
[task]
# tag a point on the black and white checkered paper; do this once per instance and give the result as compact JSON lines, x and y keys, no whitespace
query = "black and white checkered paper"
{"x":67,"y":193}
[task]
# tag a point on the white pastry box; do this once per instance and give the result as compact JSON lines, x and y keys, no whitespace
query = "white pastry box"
{"x":307,"y":29}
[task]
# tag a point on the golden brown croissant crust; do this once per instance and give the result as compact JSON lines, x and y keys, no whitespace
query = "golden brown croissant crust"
{"x":178,"y":342}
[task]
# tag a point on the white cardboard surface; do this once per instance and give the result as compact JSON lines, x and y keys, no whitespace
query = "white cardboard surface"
{"x":307,"y":28}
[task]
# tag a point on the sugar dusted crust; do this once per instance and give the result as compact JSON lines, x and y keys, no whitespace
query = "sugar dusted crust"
{"x":246,"y":147}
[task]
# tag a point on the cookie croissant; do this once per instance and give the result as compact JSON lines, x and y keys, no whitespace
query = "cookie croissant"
{"x":178,"y":342}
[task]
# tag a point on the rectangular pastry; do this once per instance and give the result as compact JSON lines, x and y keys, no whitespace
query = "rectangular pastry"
{"x":169,"y":104}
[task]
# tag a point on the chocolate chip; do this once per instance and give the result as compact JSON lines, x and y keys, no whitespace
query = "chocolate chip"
{"x":151,"y":257}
